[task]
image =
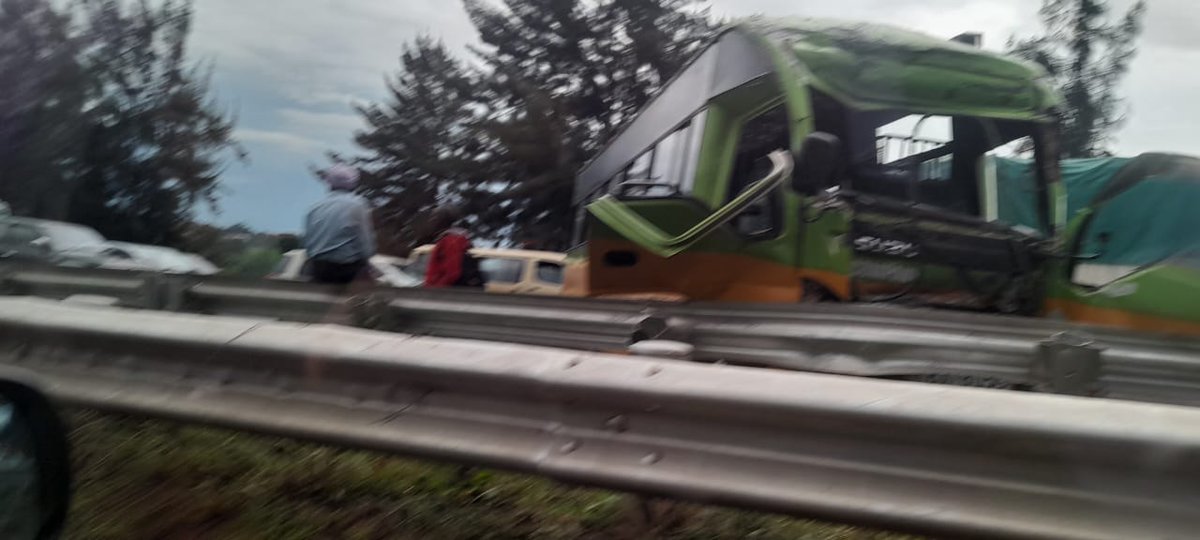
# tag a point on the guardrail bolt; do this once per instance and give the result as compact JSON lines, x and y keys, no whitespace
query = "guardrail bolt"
{"x":572,"y":363}
{"x":652,"y":458}
{"x":20,"y":352}
{"x":654,"y":370}
{"x":571,"y":446}
{"x":618,"y":423}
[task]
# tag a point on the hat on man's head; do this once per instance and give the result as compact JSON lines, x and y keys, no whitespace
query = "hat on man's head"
{"x":341,"y":176}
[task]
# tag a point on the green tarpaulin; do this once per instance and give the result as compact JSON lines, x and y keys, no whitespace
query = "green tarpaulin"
{"x":1155,"y":216}
{"x":1150,"y":222}
{"x":1017,"y":202}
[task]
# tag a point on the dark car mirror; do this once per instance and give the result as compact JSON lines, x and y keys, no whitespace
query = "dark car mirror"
{"x":817,"y":163}
{"x":34,"y":465}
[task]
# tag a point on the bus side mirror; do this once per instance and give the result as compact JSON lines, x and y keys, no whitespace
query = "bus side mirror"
{"x":817,"y":163}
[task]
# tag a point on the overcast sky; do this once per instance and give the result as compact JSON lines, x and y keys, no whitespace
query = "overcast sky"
{"x":291,"y":71}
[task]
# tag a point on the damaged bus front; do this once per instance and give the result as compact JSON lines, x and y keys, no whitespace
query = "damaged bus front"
{"x":882,"y":191}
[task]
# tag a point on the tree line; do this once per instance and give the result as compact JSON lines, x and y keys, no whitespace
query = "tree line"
{"x":104,"y":120}
{"x":503,"y":131}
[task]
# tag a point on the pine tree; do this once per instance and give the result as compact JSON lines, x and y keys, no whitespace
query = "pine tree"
{"x":565,"y":77}
{"x":155,"y":141}
{"x":42,"y":95}
{"x":103,"y":121}
{"x":557,"y":78}
{"x":421,"y":144}
{"x":1087,"y":55}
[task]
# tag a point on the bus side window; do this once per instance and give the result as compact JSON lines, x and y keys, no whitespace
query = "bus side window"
{"x":668,"y":167}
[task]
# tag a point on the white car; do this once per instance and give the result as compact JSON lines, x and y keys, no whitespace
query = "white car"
{"x":128,"y":256}
{"x":385,"y":269}
{"x":202,"y":266}
{"x":69,"y":244}
{"x":23,"y":242}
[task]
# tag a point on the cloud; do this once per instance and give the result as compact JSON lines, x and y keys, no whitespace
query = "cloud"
{"x":319,"y":99}
{"x":322,"y":47}
{"x":281,"y":139}
{"x":1168,"y":23}
{"x":303,"y":131}
{"x":291,"y":71}
{"x":294,"y":70}
{"x":1160,"y":88}
{"x":321,"y":122}
{"x":1161,"y":92}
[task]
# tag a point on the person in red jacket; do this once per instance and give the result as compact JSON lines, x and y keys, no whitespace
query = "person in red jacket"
{"x":450,"y":264}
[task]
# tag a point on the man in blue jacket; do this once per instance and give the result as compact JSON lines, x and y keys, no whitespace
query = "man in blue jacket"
{"x":338,"y":234}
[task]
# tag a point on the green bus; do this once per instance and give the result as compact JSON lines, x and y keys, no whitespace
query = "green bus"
{"x":807,"y":160}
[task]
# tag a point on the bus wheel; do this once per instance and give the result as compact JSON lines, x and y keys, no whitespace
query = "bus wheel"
{"x":814,"y":293}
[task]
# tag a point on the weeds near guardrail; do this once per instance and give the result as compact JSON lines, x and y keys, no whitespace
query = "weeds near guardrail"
{"x":139,"y":478}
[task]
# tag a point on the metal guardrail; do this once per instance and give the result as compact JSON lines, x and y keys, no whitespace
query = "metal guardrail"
{"x":913,"y":457}
{"x":875,"y":341}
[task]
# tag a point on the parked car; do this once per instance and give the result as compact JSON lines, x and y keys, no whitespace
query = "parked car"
{"x":202,"y":266}
{"x":399,"y":263}
{"x":66,"y":244}
{"x":119,"y":256}
{"x":385,"y":270}
{"x":129,"y":256}
{"x":508,"y":271}
{"x":23,"y":241}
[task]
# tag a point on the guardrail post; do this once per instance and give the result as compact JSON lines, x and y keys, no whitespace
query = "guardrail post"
{"x":151,"y":294}
{"x":163,"y":292}
{"x":174,"y":292}
{"x":1068,"y":363}
{"x":373,"y":311}
{"x":8,"y":285}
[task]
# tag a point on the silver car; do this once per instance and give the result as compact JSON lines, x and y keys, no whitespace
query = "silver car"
{"x":128,"y":256}
{"x":66,"y":244}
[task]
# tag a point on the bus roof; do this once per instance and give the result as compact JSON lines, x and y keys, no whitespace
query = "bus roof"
{"x":878,"y":66}
{"x":866,"y":66}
